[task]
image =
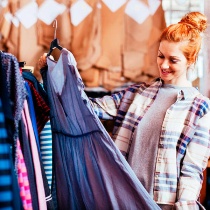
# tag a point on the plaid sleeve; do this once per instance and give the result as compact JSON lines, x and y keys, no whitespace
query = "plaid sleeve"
{"x":107,"y":106}
{"x":194,"y":163}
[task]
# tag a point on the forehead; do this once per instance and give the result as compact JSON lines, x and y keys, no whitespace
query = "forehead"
{"x":171,"y":48}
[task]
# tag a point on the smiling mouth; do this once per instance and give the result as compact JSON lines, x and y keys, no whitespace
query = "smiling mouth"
{"x":165,"y":72}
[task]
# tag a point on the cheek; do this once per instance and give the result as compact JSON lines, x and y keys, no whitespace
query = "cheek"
{"x":158,"y":61}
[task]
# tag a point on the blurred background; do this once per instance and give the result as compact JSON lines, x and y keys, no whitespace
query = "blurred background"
{"x":114,"y":41}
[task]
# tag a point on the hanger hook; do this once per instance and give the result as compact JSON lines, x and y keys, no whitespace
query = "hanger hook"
{"x":55,"y":26}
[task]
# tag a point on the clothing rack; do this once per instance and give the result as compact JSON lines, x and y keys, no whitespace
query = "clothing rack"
{"x":24,"y":113}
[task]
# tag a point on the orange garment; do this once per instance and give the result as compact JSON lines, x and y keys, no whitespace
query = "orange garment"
{"x":45,"y":33}
{"x":19,"y":41}
{"x":85,"y":42}
{"x":110,"y":47}
{"x":141,"y":45}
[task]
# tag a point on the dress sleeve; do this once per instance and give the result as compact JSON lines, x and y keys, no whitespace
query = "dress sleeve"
{"x":194,"y":163}
{"x":106,"y":107}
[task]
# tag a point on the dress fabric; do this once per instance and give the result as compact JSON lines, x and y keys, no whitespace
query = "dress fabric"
{"x":90,"y":171}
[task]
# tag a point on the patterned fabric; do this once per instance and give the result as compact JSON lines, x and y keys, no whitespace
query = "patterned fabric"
{"x":41,"y":108}
{"x":38,"y":86}
{"x":184,"y":145}
{"x":46,"y":151}
{"x":23,"y":179}
{"x":6,"y":195}
{"x":15,"y":86}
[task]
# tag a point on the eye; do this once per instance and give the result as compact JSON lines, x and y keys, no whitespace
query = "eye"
{"x":160,"y":56}
{"x":174,"y":60}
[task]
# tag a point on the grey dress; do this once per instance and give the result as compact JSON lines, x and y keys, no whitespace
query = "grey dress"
{"x":90,"y":171}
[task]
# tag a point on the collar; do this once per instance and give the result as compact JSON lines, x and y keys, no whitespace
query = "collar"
{"x":184,"y":93}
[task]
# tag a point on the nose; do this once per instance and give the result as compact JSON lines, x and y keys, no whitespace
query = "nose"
{"x":164,"y":65}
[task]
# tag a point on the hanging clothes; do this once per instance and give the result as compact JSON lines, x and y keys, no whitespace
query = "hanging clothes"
{"x":12,"y":94}
{"x":29,"y":151}
{"x":207,"y":202}
{"x":15,"y":87}
{"x":6,"y":195}
{"x":35,"y":155}
{"x":23,"y":180}
{"x":39,"y":100}
{"x":39,"y":114}
{"x":25,"y":187}
{"x":90,"y":171}
{"x":46,"y":151}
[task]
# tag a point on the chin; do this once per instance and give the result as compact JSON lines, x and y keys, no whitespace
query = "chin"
{"x":166,"y":80}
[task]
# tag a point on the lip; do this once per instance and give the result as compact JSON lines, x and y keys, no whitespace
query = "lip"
{"x":164,"y":72}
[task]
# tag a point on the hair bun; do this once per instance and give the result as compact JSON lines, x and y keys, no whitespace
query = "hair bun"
{"x":195,"y":19}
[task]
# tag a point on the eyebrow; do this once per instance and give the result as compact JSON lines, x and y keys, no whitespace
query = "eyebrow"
{"x":170,"y":56}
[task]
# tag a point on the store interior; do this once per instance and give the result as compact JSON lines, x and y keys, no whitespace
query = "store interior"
{"x":114,"y":43}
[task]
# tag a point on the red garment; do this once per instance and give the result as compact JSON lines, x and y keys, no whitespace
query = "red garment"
{"x":41,"y":108}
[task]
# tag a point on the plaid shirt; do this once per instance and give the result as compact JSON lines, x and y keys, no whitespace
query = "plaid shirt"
{"x":184,"y":143}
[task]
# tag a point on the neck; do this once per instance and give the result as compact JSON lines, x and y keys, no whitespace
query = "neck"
{"x":185,"y":83}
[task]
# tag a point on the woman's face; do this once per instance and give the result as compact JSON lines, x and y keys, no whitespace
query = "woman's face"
{"x":172,"y":63}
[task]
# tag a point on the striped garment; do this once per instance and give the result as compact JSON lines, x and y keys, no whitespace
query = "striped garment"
{"x":6,"y":194}
{"x":46,"y":151}
{"x":184,"y":144}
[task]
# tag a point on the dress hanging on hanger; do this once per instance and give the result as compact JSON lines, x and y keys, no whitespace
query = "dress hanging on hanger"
{"x":90,"y":171}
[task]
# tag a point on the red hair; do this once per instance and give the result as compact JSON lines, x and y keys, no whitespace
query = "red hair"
{"x":187,"y":30}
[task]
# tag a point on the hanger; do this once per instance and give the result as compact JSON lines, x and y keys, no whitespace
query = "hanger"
{"x":55,"y":42}
{"x":22,"y":63}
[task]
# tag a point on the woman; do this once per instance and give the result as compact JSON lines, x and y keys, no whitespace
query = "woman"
{"x":163,"y":128}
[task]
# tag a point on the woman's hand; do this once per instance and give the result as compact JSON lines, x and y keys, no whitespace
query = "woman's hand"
{"x":42,"y":62}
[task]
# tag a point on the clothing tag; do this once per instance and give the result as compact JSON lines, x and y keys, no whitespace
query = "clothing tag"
{"x":79,"y":11}
{"x":15,"y":21}
{"x":49,"y":10}
{"x":153,"y":6}
{"x":3,"y":3}
{"x":137,"y":10}
{"x":8,"y":16}
{"x":27,"y":15}
{"x":11,"y":19}
{"x":114,"y":5}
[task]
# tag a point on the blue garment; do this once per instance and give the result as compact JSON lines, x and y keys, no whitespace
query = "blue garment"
{"x":90,"y":171}
{"x":32,"y":115}
{"x":46,"y":151}
{"x":207,"y":202}
{"x":30,"y":76}
{"x":50,"y":205}
{"x":12,"y":95}
{"x":6,"y":195}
